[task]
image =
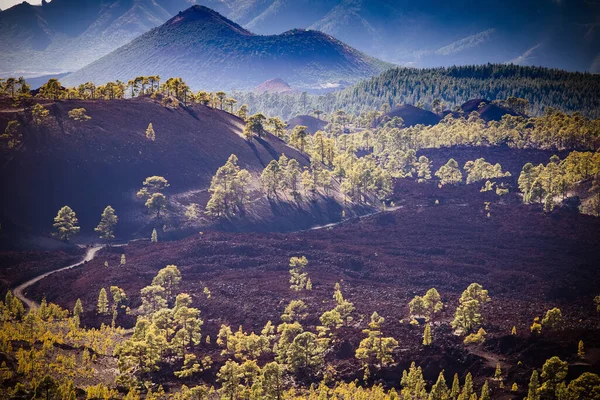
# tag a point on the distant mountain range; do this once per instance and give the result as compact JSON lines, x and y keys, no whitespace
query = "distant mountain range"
{"x":211,"y":52}
{"x":65,"y":35}
{"x":430,"y":33}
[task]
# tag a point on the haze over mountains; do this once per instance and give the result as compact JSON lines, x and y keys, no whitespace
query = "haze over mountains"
{"x":560,"y":34}
{"x":65,"y":35}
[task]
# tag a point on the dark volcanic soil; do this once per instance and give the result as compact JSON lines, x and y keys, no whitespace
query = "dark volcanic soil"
{"x":530,"y":262}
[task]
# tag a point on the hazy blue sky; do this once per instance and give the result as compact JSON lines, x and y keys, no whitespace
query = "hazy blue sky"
{"x":4,"y":4}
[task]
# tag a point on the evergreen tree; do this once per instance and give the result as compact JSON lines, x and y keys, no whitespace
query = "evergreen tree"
{"x":498,"y":372}
{"x":485,"y":392}
{"x":298,"y":275}
{"x":254,"y":126}
{"x":229,"y":189}
{"x":272,"y":381}
{"x":580,"y":349}
{"x":150,"y":134}
{"x":449,"y":174}
{"x":123,"y":259}
{"x":78,"y":309}
{"x":39,"y":114}
{"x":439,"y":391}
{"x":467,"y":390}
{"x":154,"y":237}
{"x":106,"y":227}
{"x":427,"y":336}
{"x":553,"y":319}
{"x":102,"y":302}
{"x":305,"y":354}
{"x":65,"y":223}
{"x":534,"y":384}
{"x":230,"y":376}
{"x":157,"y":202}
{"x":468,"y":314}
{"x":375,"y":348}
{"x":455,"y":388}
{"x":168,"y":278}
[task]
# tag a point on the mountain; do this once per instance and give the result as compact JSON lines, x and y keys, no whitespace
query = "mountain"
{"x":89,"y":165}
{"x":488,"y":111}
{"x":430,"y":33}
{"x":412,"y":115}
{"x":211,"y":52}
{"x":64,"y":35}
{"x":273,"y":86}
{"x":312,"y":124}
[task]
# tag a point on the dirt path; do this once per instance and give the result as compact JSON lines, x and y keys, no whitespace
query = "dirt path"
{"x":19,"y":290}
{"x":387,"y":209}
{"x":491,"y":359}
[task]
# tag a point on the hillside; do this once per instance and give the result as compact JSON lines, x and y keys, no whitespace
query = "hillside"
{"x":103,"y":161}
{"x":64,"y":35}
{"x":213,"y":53}
{"x":273,"y":86}
{"x":412,"y":115}
{"x":454,"y":86}
{"x":313,"y":124}
{"x":529,"y":262}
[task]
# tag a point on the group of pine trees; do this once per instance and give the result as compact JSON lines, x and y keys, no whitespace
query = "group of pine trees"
{"x":66,"y":224}
{"x":541,"y":88}
{"x":168,"y":336}
{"x":551,"y":183}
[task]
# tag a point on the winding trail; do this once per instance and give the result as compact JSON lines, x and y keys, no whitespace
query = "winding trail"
{"x":19,"y":290}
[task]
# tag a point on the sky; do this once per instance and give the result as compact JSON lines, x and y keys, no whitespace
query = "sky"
{"x":4,"y":4}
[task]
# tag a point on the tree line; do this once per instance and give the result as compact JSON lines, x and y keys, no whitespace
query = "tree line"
{"x":542,"y":88}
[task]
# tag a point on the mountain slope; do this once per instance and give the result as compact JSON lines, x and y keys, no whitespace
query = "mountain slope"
{"x":89,"y":165}
{"x":65,"y":35}
{"x":211,"y":52}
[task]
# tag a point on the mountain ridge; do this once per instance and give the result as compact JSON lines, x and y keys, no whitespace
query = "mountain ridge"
{"x":211,"y":52}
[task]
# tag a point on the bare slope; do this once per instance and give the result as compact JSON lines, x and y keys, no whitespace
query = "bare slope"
{"x":89,"y":165}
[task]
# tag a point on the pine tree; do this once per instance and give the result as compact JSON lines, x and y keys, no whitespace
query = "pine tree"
{"x":427,"y":336}
{"x":514,"y":331}
{"x":515,"y":387}
{"x":298,"y":276}
{"x":123,"y":259}
{"x":107,"y":224}
{"x":455,"y":388}
{"x":150,"y":132}
{"x":534,"y":385}
{"x":309,"y":284}
{"x":439,"y":391}
{"x":467,"y":390}
{"x":449,"y":174}
{"x":102,"y":302}
{"x":154,"y":238}
{"x":580,"y":350}
{"x":498,"y":373}
{"x":78,"y":309}
{"x":65,"y":223}
{"x":485,"y":392}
